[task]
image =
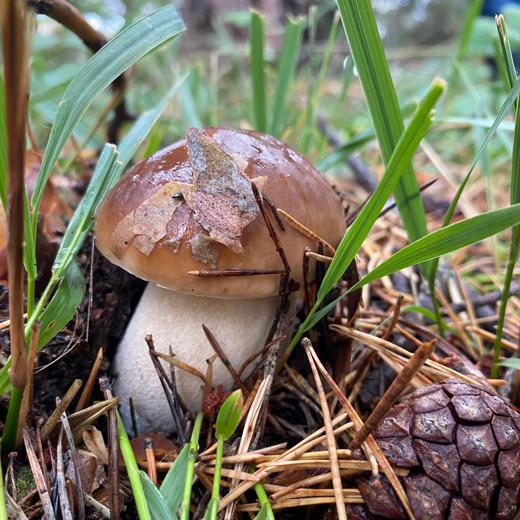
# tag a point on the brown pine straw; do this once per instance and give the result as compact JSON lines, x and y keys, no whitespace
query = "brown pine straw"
{"x":304,"y":230}
{"x":302,"y":502}
{"x":91,"y":381}
{"x":52,"y":421}
{"x":430,"y":367}
{"x":393,"y":392}
{"x":293,"y":453}
{"x":331,"y":440}
{"x":489,"y":336}
{"x":215,"y":345}
{"x":370,"y":442}
{"x":319,"y":258}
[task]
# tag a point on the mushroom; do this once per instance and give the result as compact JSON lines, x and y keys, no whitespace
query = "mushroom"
{"x":190,"y":208}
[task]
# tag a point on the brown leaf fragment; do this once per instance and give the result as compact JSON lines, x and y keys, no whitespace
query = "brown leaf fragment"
{"x":147,"y":225}
{"x":203,"y":250}
{"x":221,"y":197}
{"x":90,"y":469}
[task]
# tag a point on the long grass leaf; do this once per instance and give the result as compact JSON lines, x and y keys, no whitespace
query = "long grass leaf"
{"x":125,"y":49}
{"x":256,"y":42}
{"x":438,"y":243}
{"x":172,"y":486}
{"x":372,"y":67}
{"x":360,"y":228}
{"x":157,"y":505}
{"x":286,"y":67}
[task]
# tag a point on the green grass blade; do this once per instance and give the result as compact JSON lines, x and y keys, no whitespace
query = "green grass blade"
{"x":504,"y":110}
{"x":173,"y":484}
{"x":189,"y":108}
{"x":360,"y":228}
{"x":256,"y":43}
{"x":372,"y":67}
{"x":514,"y":248}
{"x":445,"y":240}
{"x":190,"y":470}
{"x":125,"y":49}
{"x":133,"y":471}
{"x":286,"y":68}
{"x":404,"y":151}
{"x":472,"y":14}
{"x":157,"y":505}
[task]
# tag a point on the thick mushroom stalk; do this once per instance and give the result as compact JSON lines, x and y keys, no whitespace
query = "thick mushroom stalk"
{"x":173,"y":319}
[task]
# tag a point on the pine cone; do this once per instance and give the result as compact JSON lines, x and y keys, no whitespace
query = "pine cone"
{"x":461,"y":444}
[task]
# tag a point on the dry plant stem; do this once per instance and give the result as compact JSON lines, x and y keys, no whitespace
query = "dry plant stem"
{"x":169,"y":391}
{"x":113,"y":451}
{"x":370,"y":442}
{"x":16,"y":55}
{"x":52,"y":421}
{"x":150,"y":459}
{"x":393,"y":392}
{"x":39,"y":479}
{"x":223,"y":357}
{"x":91,"y":381}
{"x":65,"y":508}
{"x":28,"y":391}
{"x":80,"y":502}
{"x":331,"y":440}
{"x":395,"y":317}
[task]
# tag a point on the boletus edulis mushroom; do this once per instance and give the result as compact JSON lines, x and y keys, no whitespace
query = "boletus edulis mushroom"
{"x":191,"y":207}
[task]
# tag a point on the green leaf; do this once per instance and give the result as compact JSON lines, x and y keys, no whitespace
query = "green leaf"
{"x":212,"y":510}
{"x":358,"y":231}
{"x":372,"y":67}
{"x":511,"y":363}
{"x":120,"y":53}
{"x":256,"y":42}
{"x":157,"y":504}
{"x":472,"y":13}
{"x":133,"y":471}
{"x":63,"y":305}
{"x":445,"y":240}
{"x":286,"y":67}
{"x":173,"y":484}
{"x":229,"y":415}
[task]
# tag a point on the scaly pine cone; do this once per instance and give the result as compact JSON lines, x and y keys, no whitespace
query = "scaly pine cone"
{"x":461,"y":444}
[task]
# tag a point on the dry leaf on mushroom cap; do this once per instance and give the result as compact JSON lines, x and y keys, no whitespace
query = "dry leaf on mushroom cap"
{"x":220,"y":198}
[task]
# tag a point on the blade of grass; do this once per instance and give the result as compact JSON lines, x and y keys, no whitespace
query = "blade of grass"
{"x":125,"y":49}
{"x":157,"y":504}
{"x":445,"y":240}
{"x":472,"y":14}
{"x":256,"y":43}
{"x":506,"y":106}
{"x":288,"y":59}
{"x":133,"y":471}
{"x":514,"y":248}
{"x":173,"y":484}
{"x":372,"y":67}
{"x":188,"y":483}
{"x":357,"y":232}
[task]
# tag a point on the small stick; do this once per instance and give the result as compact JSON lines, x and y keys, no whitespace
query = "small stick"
{"x":176,"y":362}
{"x":52,"y":421}
{"x":393,"y":392}
{"x":171,"y":397}
{"x":331,"y":439}
{"x":395,"y":317}
{"x":80,"y":502}
{"x":113,"y":451}
{"x":91,"y":381}
{"x":306,"y":289}
{"x":40,"y":481}
{"x":304,"y":230}
{"x":251,"y":358}
{"x":29,"y":387}
{"x":135,"y":429}
{"x":150,"y":459}
{"x":223,"y":357}
{"x":235,"y":272}
{"x":208,"y":380}
{"x":66,"y":511}
{"x":319,"y":258}
{"x":274,"y":212}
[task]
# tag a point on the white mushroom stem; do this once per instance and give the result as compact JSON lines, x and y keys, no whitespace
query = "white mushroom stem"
{"x":240,"y":327}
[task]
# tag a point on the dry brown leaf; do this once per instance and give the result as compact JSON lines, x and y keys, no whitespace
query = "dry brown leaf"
{"x":94,"y":441}
{"x":91,"y":471}
{"x":165,"y":450}
{"x":220,"y":197}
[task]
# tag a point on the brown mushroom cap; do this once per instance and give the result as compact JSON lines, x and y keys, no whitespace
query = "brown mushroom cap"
{"x":175,"y":241}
